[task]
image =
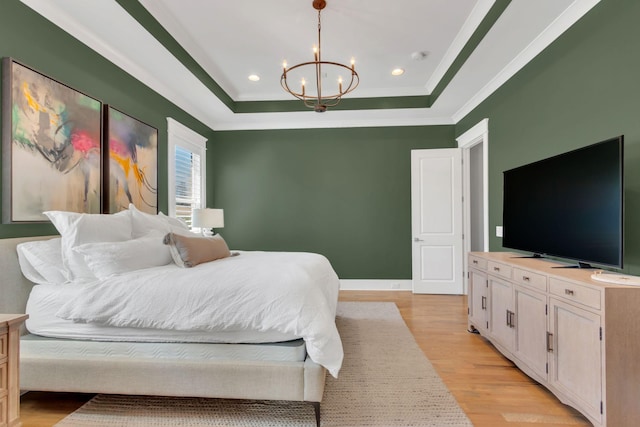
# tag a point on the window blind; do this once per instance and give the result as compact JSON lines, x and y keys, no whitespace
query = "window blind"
{"x":187,"y":183}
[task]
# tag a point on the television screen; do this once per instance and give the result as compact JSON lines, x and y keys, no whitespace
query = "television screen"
{"x":568,"y":206}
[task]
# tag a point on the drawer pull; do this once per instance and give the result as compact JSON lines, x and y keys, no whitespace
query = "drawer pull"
{"x":526,"y":279}
{"x":475,"y":261}
{"x":549,"y":342}
{"x":568,"y":292}
{"x":496,"y":268}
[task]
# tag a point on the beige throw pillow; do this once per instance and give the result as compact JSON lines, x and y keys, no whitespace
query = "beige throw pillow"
{"x":188,"y":251}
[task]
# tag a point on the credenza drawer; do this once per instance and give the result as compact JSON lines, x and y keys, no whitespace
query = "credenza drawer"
{"x":499,"y":269}
{"x":574,"y":292}
{"x":529,"y":278}
{"x":478,"y":263}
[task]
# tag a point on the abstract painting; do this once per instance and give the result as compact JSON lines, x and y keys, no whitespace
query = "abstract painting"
{"x":51,"y":154}
{"x":131,"y":167}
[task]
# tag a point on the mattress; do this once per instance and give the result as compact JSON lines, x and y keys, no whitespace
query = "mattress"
{"x":45,"y":300}
{"x":33,"y":346}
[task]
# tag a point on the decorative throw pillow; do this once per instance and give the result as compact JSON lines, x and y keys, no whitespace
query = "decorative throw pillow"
{"x":188,"y":251}
{"x":79,"y":228}
{"x":108,"y":258}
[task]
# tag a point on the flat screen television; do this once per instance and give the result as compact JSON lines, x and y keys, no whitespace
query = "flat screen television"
{"x":569,"y":206}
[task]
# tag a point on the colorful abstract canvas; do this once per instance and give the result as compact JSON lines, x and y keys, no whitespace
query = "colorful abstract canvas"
{"x":132,"y":169}
{"x":51,"y":146}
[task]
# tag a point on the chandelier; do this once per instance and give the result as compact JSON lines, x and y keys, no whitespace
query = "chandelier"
{"x":318,"y":100}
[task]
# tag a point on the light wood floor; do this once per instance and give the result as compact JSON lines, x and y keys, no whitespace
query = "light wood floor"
{"x":487,"y":386}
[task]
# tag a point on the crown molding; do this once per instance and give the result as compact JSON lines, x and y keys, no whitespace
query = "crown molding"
{"x":569,"y":17}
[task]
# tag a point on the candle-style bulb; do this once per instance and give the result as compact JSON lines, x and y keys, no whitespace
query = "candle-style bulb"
{"x":353,"y":64}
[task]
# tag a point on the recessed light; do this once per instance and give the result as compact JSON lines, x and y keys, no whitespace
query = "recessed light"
{"x":254,"y":77}
{"x":397,"y":72}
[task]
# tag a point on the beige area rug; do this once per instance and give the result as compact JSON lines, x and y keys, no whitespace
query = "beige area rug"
{"x":385,"y":380}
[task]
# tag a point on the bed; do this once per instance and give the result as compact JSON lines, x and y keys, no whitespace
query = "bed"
{"x":100,"y":350}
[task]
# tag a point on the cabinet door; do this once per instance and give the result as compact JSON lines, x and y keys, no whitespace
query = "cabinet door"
{"x":478,"y":300}
{"x":576,"y":361}
{"x":501,"y":309}
{"x":531,"y":329}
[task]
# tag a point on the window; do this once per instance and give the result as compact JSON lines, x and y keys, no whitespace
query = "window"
{"x":187,"y":170}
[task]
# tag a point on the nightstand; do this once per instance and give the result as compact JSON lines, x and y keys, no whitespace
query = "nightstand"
{"x":9,"y":369}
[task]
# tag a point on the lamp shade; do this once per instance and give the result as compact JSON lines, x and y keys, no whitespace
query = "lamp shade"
{"x":207,"y":218}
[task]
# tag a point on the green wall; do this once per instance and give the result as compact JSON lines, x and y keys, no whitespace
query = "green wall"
{"x":582,"y":89}
{"x":344,"y":193}
{"x":36,"y":42}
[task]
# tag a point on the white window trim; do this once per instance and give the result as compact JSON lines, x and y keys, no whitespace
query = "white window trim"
{"x":180,"y":135}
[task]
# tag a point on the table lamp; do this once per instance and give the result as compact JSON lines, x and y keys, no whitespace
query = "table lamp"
{"x":207,"y":219}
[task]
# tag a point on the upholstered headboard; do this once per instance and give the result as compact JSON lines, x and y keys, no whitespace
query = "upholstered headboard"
{"x":14,"y":287}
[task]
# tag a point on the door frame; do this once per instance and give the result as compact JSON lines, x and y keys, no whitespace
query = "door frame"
{"x":478,"y":134}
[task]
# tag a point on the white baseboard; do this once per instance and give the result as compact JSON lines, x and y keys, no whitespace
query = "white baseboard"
{"x":375,"y":285}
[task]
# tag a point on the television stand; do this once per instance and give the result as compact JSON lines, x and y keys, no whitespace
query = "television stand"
{"x":570,"y":333}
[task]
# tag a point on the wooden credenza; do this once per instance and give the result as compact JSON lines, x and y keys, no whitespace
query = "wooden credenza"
{"x":578,"y":337}
{"x":9,"y":369}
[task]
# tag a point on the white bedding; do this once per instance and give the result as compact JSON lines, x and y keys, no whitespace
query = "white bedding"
{"x":45,"y":300}
{"x":291,"y":293}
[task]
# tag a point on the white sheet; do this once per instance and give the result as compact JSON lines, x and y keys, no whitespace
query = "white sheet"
{"x":293,"y":293}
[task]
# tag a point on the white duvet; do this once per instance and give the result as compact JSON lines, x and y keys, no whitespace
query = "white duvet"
{"x":291,"y":293}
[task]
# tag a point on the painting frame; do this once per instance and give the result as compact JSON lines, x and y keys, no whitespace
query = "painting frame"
{"x":51,"y":146}
{"x":130,"y":163}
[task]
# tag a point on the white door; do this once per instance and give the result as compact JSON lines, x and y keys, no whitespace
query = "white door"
{"x":436,"y":221}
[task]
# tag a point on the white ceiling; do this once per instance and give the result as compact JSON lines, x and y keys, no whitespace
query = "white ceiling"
{"x":232,"y":39}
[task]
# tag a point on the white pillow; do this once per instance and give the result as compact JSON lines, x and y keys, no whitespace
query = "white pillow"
{"x":175,"y":222}
{"x":77,"y":229}
{"x":143,"y":223}
{"x":107,"y":258}
{"x":41,"y":261}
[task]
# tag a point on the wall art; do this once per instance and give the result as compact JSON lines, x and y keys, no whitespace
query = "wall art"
{"x":51,"y":146}
{"x":131,"y":166}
